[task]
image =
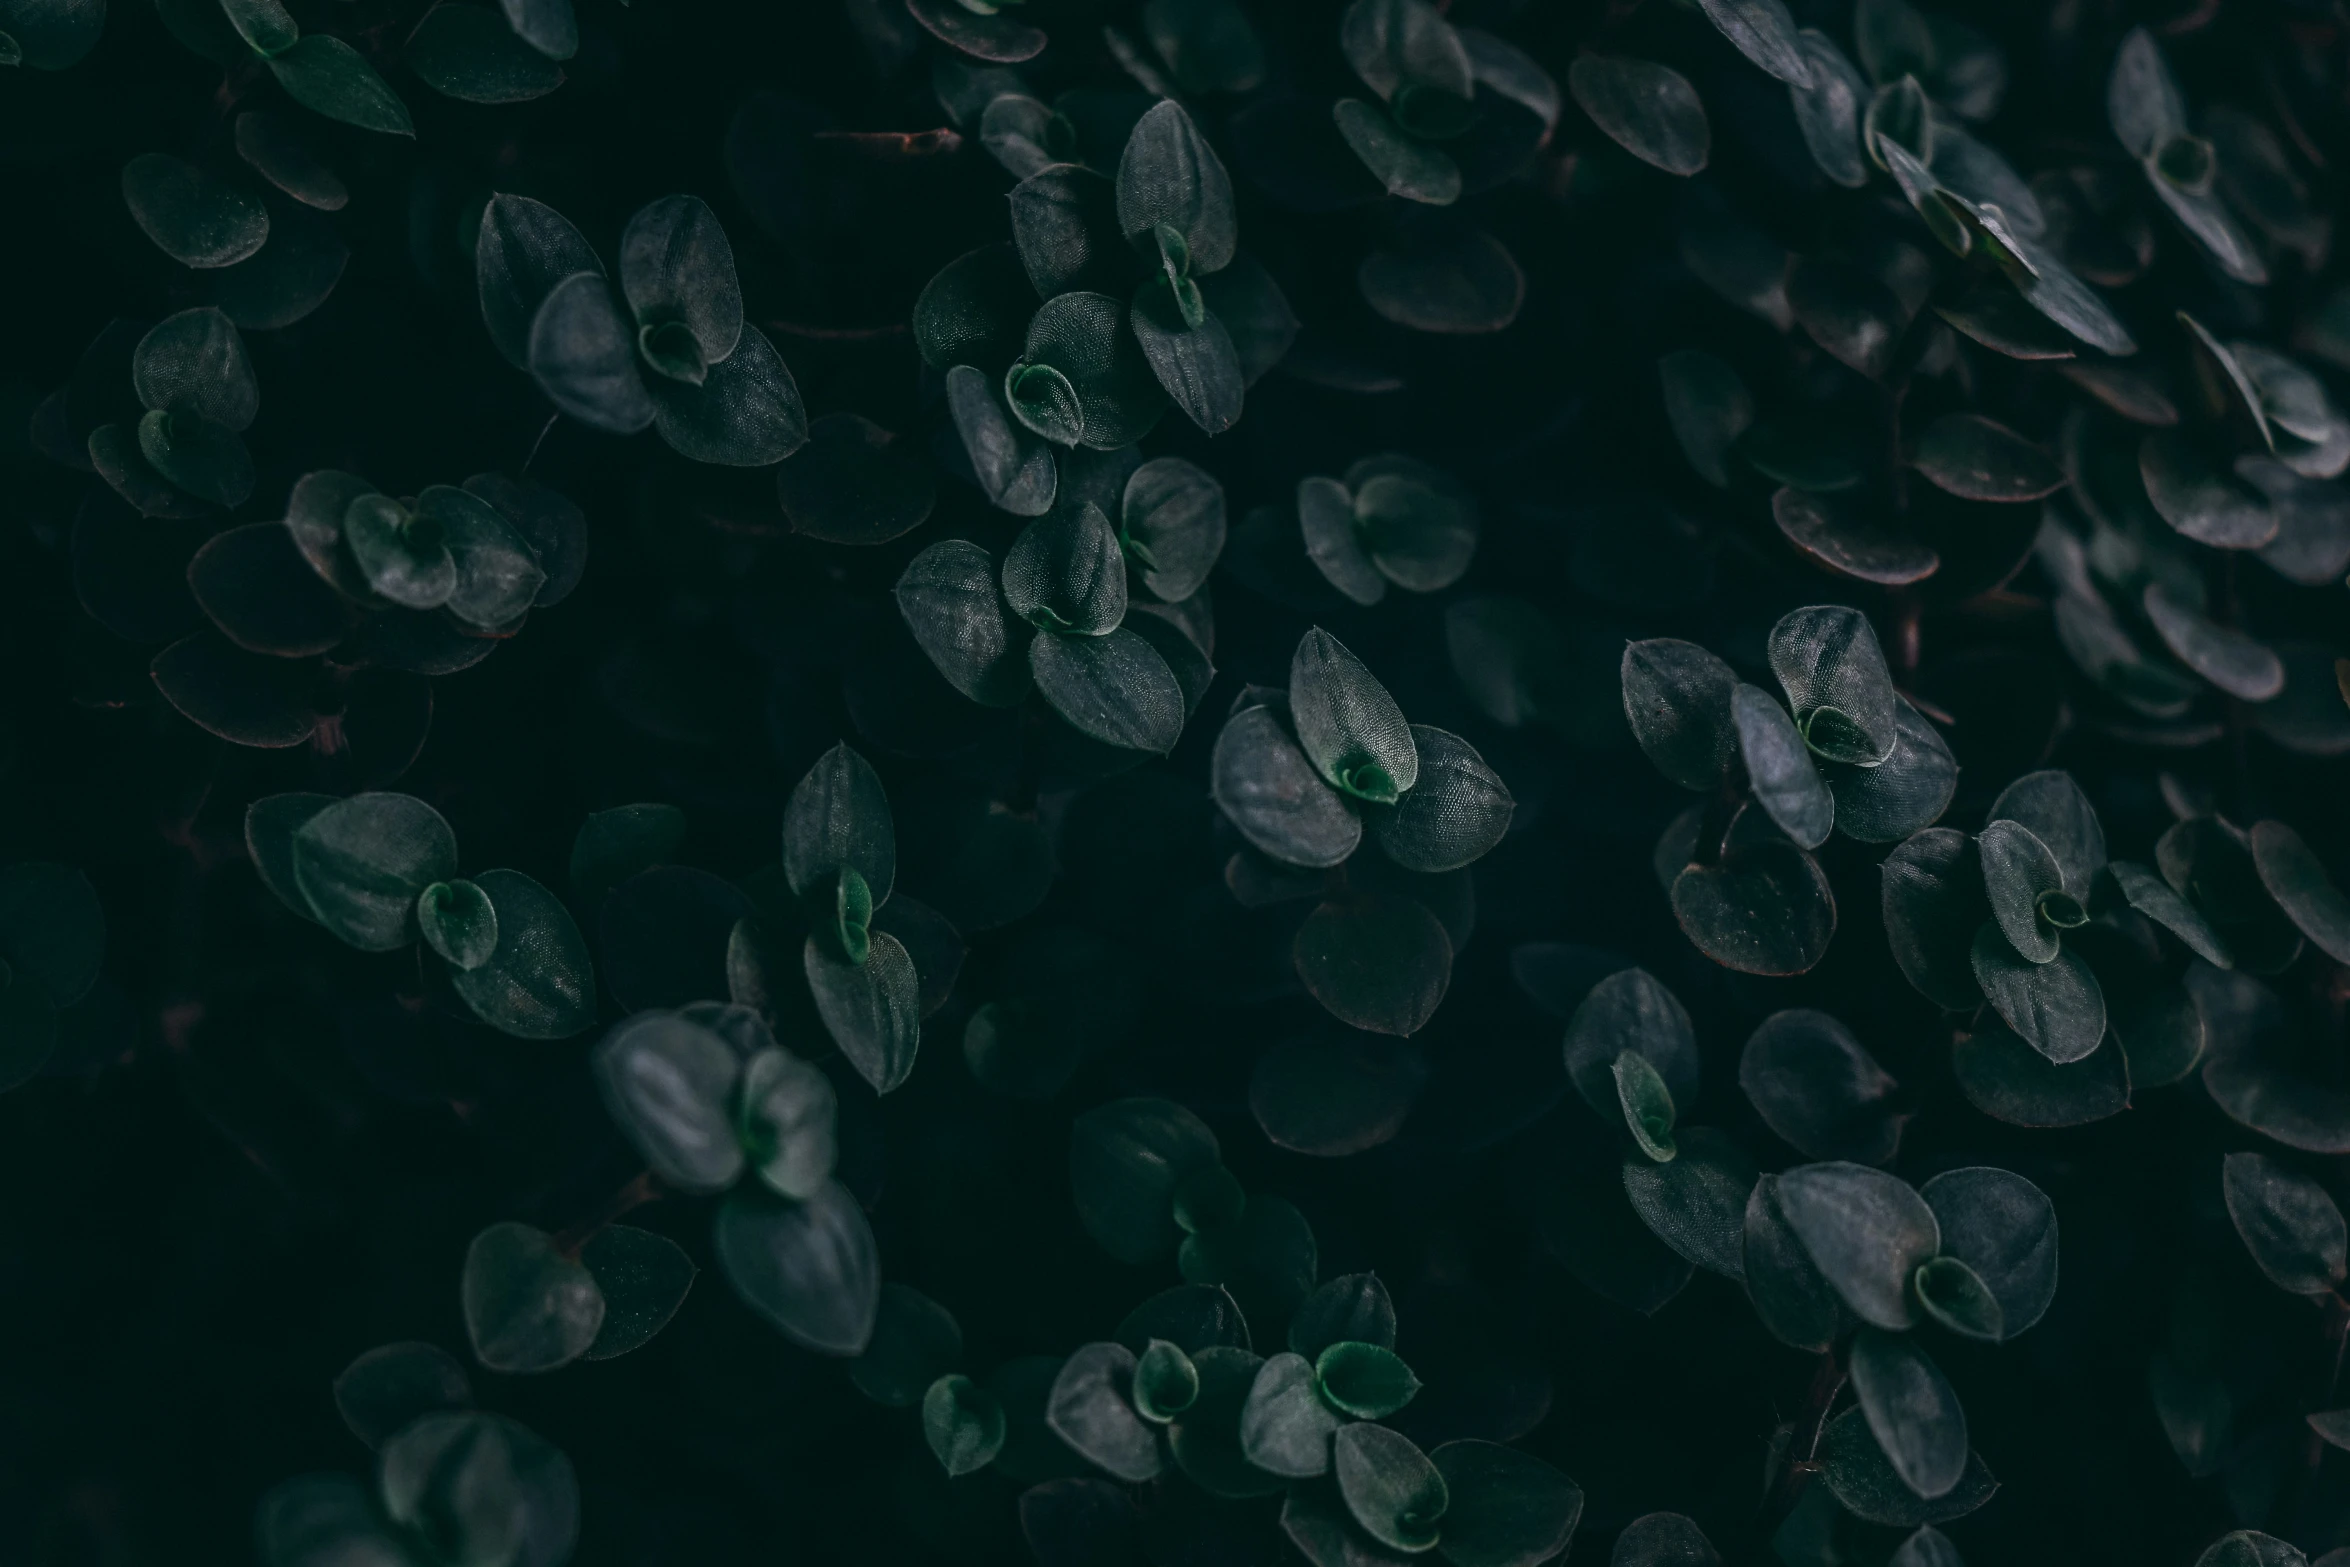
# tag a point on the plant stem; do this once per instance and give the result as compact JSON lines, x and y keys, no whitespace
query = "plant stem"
{"x":644,"y":1188}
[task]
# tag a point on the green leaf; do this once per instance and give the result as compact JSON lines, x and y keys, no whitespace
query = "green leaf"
{"x":539,"y":982}
{"x":2026,"y":889}
{"x":2011,"y":1081}
{"x":1367,"y":1381}
{"x":1764,"y":908}
{"x":1828,"y":110}
{"x":1902,"y":795}
{"x":1666,"y":1539}
{"x":981,"y":34}
{"x":1206,"y":1439}
{"x":54,"y":36}
{"x":1418,"y":524}
{"x":1405,"y":165}
{"x":1066,"y":573}
{"x":1506,"y":1508}
{"x":669,"y":1083}
{"x":1082,"y":378}
{"x":1286,"y":1425}
{"x":1014,"y":466}
{"x":1169,"y":174}
{"x":479,"y":1487}
{"x":1395,"y":44}
{"x":1866,"y":1231}
{"x":326,"y":75}
{"x":1377,"y":961}
{"x":1195,"y":362}
{"x":915,"y":1342}
{"x":1762,"y":31}
{"x":676,"y":265}
{"x":1678,"y":698}
{"x":468,"y":52}
{"x":197,"y":218}
{"x":549,"y":26}
{"x":1116,"y":689}
{"x":195,"y":363}
{"x":278,"y":148}
{"x":1828,"y":662}
{"x":1193,"y":1317}
{"x":1859,"y":1475}
{"x":838,"y":819}
{"x":975,"y":311}
{"x":1452,"y":281}
{"x":784,"y":1117}
{"x":1393,"y":1491}
{"x":2298,"y":880}
{"x":643,"y":1277}
{"x":200,"y":457}
{"x":1790,"y":1294}
{"x":1954,"y":1295}
{"x":2056,"y":1007}
{"x":873,"y":1009}
{"x":361,"y":863}
{"x":1978,"y":459}
{"x":1457,"y":810}
{"x":1647,"y":109}
{"x":1126,"y":1160}
{"x":524,"y":249}
{"x":1630,"y":1010}
{"x":528,"y":1307}
{"x":1819,"y":1090}
{"x":963,"y":1423}
{"x":2289,"y":1223}
{"x":582,"y":352}
{"x":457,"y":921}
{"x":1347,"y":724}
{"x":1065,"y":227}
{"x":1166,"y":1383}
{"x":2200,"y":498}
{"x":1696,"y":1201}
{"x":392,"y":1385}
{"x":1912,"y":1411}
{"x":1173,"y":512}
{"x":1779,"y":768}
{"x":2002,"y":1228}
{"x":2250,"y":1548}
{"x":1263,"y":783}
{"x":810,"y":1268}
{"x":949,"y":598}
{"x":1091,"y":1408}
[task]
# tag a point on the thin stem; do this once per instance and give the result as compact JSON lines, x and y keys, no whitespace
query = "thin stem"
{"x":644,"y":1188}
{"x":544,"y":431}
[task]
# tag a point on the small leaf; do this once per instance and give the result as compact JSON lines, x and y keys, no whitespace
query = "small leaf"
{"x":325,"y":74}
{"x":539,"y":982}
{"x":1390,"y":1487}
{"x":1867,"y":1232}
{"x":1347,"y":724}
{"x":528,"y":1307}
{"x":2056,"y":1007}
{"x":392,"y":1385}
{"x":1828,"y":662}
{"x":196,"y":218}
{"x":962,"y":1422}
{"x":361,"y":863}
{"x":643,"y":1278}
{"x":1378,"y":961}
{"x":873,"y":1009}
{"x":2289,"y":1223}
{"x":1912,"y":1411}
{"x":1977,"y":459}
{"x":2003,"y":1229}
{"x":670,"y":1084}
{"x":1286,"y":1425}
{"x":2298,"y":880}
{"x":1092,"y":1409}
{"x":1649,"y":110}
{"x":1860,"y":1476}
{"x":1116,"y":689}
{"x":1813,"y":1084}
{"x":458,"y":921}
{"x":1367,"y":1381}
{"x":810,"y":1268}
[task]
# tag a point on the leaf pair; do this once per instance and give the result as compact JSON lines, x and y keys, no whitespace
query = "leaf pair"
{"x":531,"y":1305}
{"x":672,"y":351}
{"x":705,"y":1094}
{"x":840,"y":861}
{"x":184,"y":456}
{"x":1392,"y":519}
{"x":1469,"y":1503}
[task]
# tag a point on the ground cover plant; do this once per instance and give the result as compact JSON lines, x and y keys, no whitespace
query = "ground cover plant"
{"x":1175,"y":783}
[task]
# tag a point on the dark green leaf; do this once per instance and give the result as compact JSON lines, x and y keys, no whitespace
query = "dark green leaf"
{"x":2056,"y":1007}
{"x":325,"y":74}
{"x":1367,"y":1381}
{"x":360,"y":864}
{"x":2003,"y":1228}
{"x":1696,"y":1202}
{"x":1828,"y":662}
{"x":393,"y":1384}
{"x":1933,"y":903}
{"x":196,"y":218}
{"x":873,"y":1009}
{"x":670,"y":1084}
{"x":1866,"y":1231}
{"x":1377,"y":961}
{"x":1779,"y":768}
{"x":810,"y":1268}
{"x":1649,"y":110}
{"x":458,"y":921}
{"x":1764,"y":908}
{"x":2298,"y":880}
{"x":1389,"y":1485}
{"x":1856,"y":1470}
{"x":1286,"y":1426}
{"x":1115,"y":688}
{"x":528,"y":1307}
{"x":643,"y":1278}
{"x":1092,"y":1409}
{"x":915,"y":1342}
{"x":2289,"y":1223}
{"x":1912,"y":1411}
{"x":1506,"y":1508}
{"x":963,"y":1423}
{"x":468,"y":52}
{"x":2013,"y":1082}
{"x":1813,"y":1084}
{"x":1169,"y":174}
{"x":1126,"y":1160}
{"x":539,"y":982}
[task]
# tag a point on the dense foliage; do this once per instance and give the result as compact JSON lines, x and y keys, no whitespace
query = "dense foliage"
{"x":1176,"y":782}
